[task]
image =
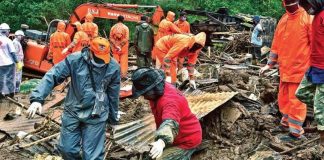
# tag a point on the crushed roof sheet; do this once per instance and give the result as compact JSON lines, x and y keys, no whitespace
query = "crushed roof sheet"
{"x":136,"y":136}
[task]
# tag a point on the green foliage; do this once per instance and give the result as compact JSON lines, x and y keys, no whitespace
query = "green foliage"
{"x":34,"y":12}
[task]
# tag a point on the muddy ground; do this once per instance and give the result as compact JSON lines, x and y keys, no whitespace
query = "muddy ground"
{"x":245,"y":137}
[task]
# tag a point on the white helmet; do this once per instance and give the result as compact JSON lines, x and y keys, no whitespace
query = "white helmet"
{"x":4,"y":26}
{"x":19,"y":33}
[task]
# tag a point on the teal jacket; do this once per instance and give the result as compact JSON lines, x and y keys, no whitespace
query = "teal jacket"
{"x":81,"y":96}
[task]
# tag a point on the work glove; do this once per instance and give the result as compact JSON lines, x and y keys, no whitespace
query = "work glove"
{"x":168,"y":79}
{"x":263,"y":69}
{"x":119,"y":113}
{"x":19,"y":66}
{"x":192,"y":84}
{"x":157,"y":149}
{"x":65,"y":50}
{"x":33,"y":109}
{"x":184,"y":74}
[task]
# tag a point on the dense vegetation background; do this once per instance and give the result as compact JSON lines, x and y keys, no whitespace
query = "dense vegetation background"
{"x":34,"y":12}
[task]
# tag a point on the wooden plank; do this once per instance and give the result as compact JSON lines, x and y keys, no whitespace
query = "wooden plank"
{"x":58,"y":98}
{"x":279,"y":147}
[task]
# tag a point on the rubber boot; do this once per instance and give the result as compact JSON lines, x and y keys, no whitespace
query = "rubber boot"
{"x":291,"y":138}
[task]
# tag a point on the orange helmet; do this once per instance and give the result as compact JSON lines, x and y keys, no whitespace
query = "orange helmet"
{"x":61,"y":26}
{"x":89,"y":17}
{"x":78,"y":25}
{"x":101,"y":48}
{"x":170,"y":16}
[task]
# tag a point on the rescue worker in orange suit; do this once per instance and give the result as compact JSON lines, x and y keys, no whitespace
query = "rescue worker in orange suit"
{"x":184,"y":26}
{"x":178,"y":131}
{"x":291,"y":52}
{"x":166,"y":27}
{"x":89,"y":27}
{"x":119,"y":37}
{"x":58,"y":41}
{"x":182,"y":23}
{"x":80,"y":40}
{"x":170,"y":48}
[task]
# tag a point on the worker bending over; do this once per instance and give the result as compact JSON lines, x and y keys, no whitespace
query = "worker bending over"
{"x":58,"y":41}
{"x":19,"y":36}
{"x":182,"y":23}
{"x":166,"y":27}
{"x":144,"y":42}
{"x":170,"y":48}
{"x":119,"y":37}
{"x":291,"y":51}
{"x":8,"y":59}
{"x":178,"y":131}
{"x":311,"y":89}
{"x":80,"y":40}
{"x":89,"y":27}
{"x":92,"y":99}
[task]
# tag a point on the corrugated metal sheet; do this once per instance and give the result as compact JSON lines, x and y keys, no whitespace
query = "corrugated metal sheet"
{"x":21,"y":123}
{"x":203,"y":104}
{"x":136,"y":136}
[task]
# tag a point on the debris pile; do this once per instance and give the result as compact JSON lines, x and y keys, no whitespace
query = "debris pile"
{"x":236,"y":106}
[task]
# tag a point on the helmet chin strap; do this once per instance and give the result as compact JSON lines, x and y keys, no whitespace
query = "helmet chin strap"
{"x":291,"y":4}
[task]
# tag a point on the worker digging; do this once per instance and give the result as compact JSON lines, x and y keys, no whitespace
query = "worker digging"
{"x":160,"y":81}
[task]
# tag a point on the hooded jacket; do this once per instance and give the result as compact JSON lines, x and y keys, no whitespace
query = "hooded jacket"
{"x":80,"y":39}
{"x":58,"y":41}
{"x":184,"y":26}
{"x":291,"y":46}
{"x":89,"y":27}
{"x":167,"y":27}
{"x":177,"y":46}
{"x":144,"y":37}
{"x":81,"y":96}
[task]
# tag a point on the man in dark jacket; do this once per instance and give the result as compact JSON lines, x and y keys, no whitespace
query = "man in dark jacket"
{"x":144,"y":41}
{"x":91,"y":102}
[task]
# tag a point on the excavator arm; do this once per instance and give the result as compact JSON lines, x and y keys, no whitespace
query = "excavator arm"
{"x":36,"y":52}
{"x":111,"y":11}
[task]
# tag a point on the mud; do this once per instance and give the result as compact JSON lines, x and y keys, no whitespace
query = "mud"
{"x":134,"y":109}
{"x":233,"y":141}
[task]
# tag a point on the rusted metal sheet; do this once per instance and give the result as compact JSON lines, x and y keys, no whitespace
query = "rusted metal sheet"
{"x":203,"y":104}
{"x":136,"y":136}
{"x":21,"y":123}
